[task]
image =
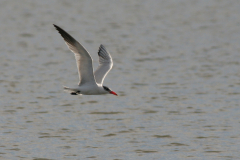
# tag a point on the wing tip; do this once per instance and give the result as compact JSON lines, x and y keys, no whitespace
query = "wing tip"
{"x":104,"y":53}
{"x":102,"y":47}
{"x":66,"y":36}
{"x":101,"y":50}
{"x":58,"y":28}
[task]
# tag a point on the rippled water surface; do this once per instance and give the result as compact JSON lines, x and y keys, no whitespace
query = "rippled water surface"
{"x":176,"y":70}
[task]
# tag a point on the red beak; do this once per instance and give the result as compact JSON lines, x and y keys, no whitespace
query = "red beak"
{"x":113,"y":93}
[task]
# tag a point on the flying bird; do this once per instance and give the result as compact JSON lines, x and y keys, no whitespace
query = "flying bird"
{"x":90,"y":83}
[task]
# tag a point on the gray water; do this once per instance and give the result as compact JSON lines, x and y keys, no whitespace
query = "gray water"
{"x":176,"y":70}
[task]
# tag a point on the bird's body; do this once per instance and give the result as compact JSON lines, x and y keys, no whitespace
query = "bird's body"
{"x":89,"y":83}
{"x":94,"y":89}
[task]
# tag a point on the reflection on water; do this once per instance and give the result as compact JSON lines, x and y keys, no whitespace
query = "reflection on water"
{"x":176,"y":69}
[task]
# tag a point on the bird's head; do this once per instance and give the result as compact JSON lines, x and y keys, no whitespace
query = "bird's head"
{"x":109,"y":90}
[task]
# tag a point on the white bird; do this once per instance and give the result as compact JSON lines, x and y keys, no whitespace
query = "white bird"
{"x":89,"y":83}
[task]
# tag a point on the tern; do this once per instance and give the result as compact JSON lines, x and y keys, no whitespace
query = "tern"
{"x":89,"y":83}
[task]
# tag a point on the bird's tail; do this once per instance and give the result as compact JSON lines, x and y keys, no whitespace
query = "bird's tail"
{"x":70,"y":90}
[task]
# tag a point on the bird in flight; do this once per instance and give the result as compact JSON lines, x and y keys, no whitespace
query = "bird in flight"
{"x":90,"y":83}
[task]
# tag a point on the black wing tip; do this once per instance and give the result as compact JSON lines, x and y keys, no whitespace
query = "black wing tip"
{"x":58,"y":28}
{"x":55,"y":26}
{"x":61,"y":31}
{"x":67,"y":37}
{"x":102,"y":47}
{"x":102,"y":52}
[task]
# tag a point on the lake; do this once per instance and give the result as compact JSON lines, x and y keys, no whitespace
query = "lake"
{"x":176,"y":71}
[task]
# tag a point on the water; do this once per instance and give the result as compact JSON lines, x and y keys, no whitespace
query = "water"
{"x":176,"y":69}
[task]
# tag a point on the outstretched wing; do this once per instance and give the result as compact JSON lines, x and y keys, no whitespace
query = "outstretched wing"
{"x":105,"y":64}
{"x":83,"y":59}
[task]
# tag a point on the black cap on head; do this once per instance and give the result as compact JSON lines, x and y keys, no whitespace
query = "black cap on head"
{"x":106,"y":88}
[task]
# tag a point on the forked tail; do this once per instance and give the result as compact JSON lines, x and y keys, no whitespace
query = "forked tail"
{"x":72,"y":91}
